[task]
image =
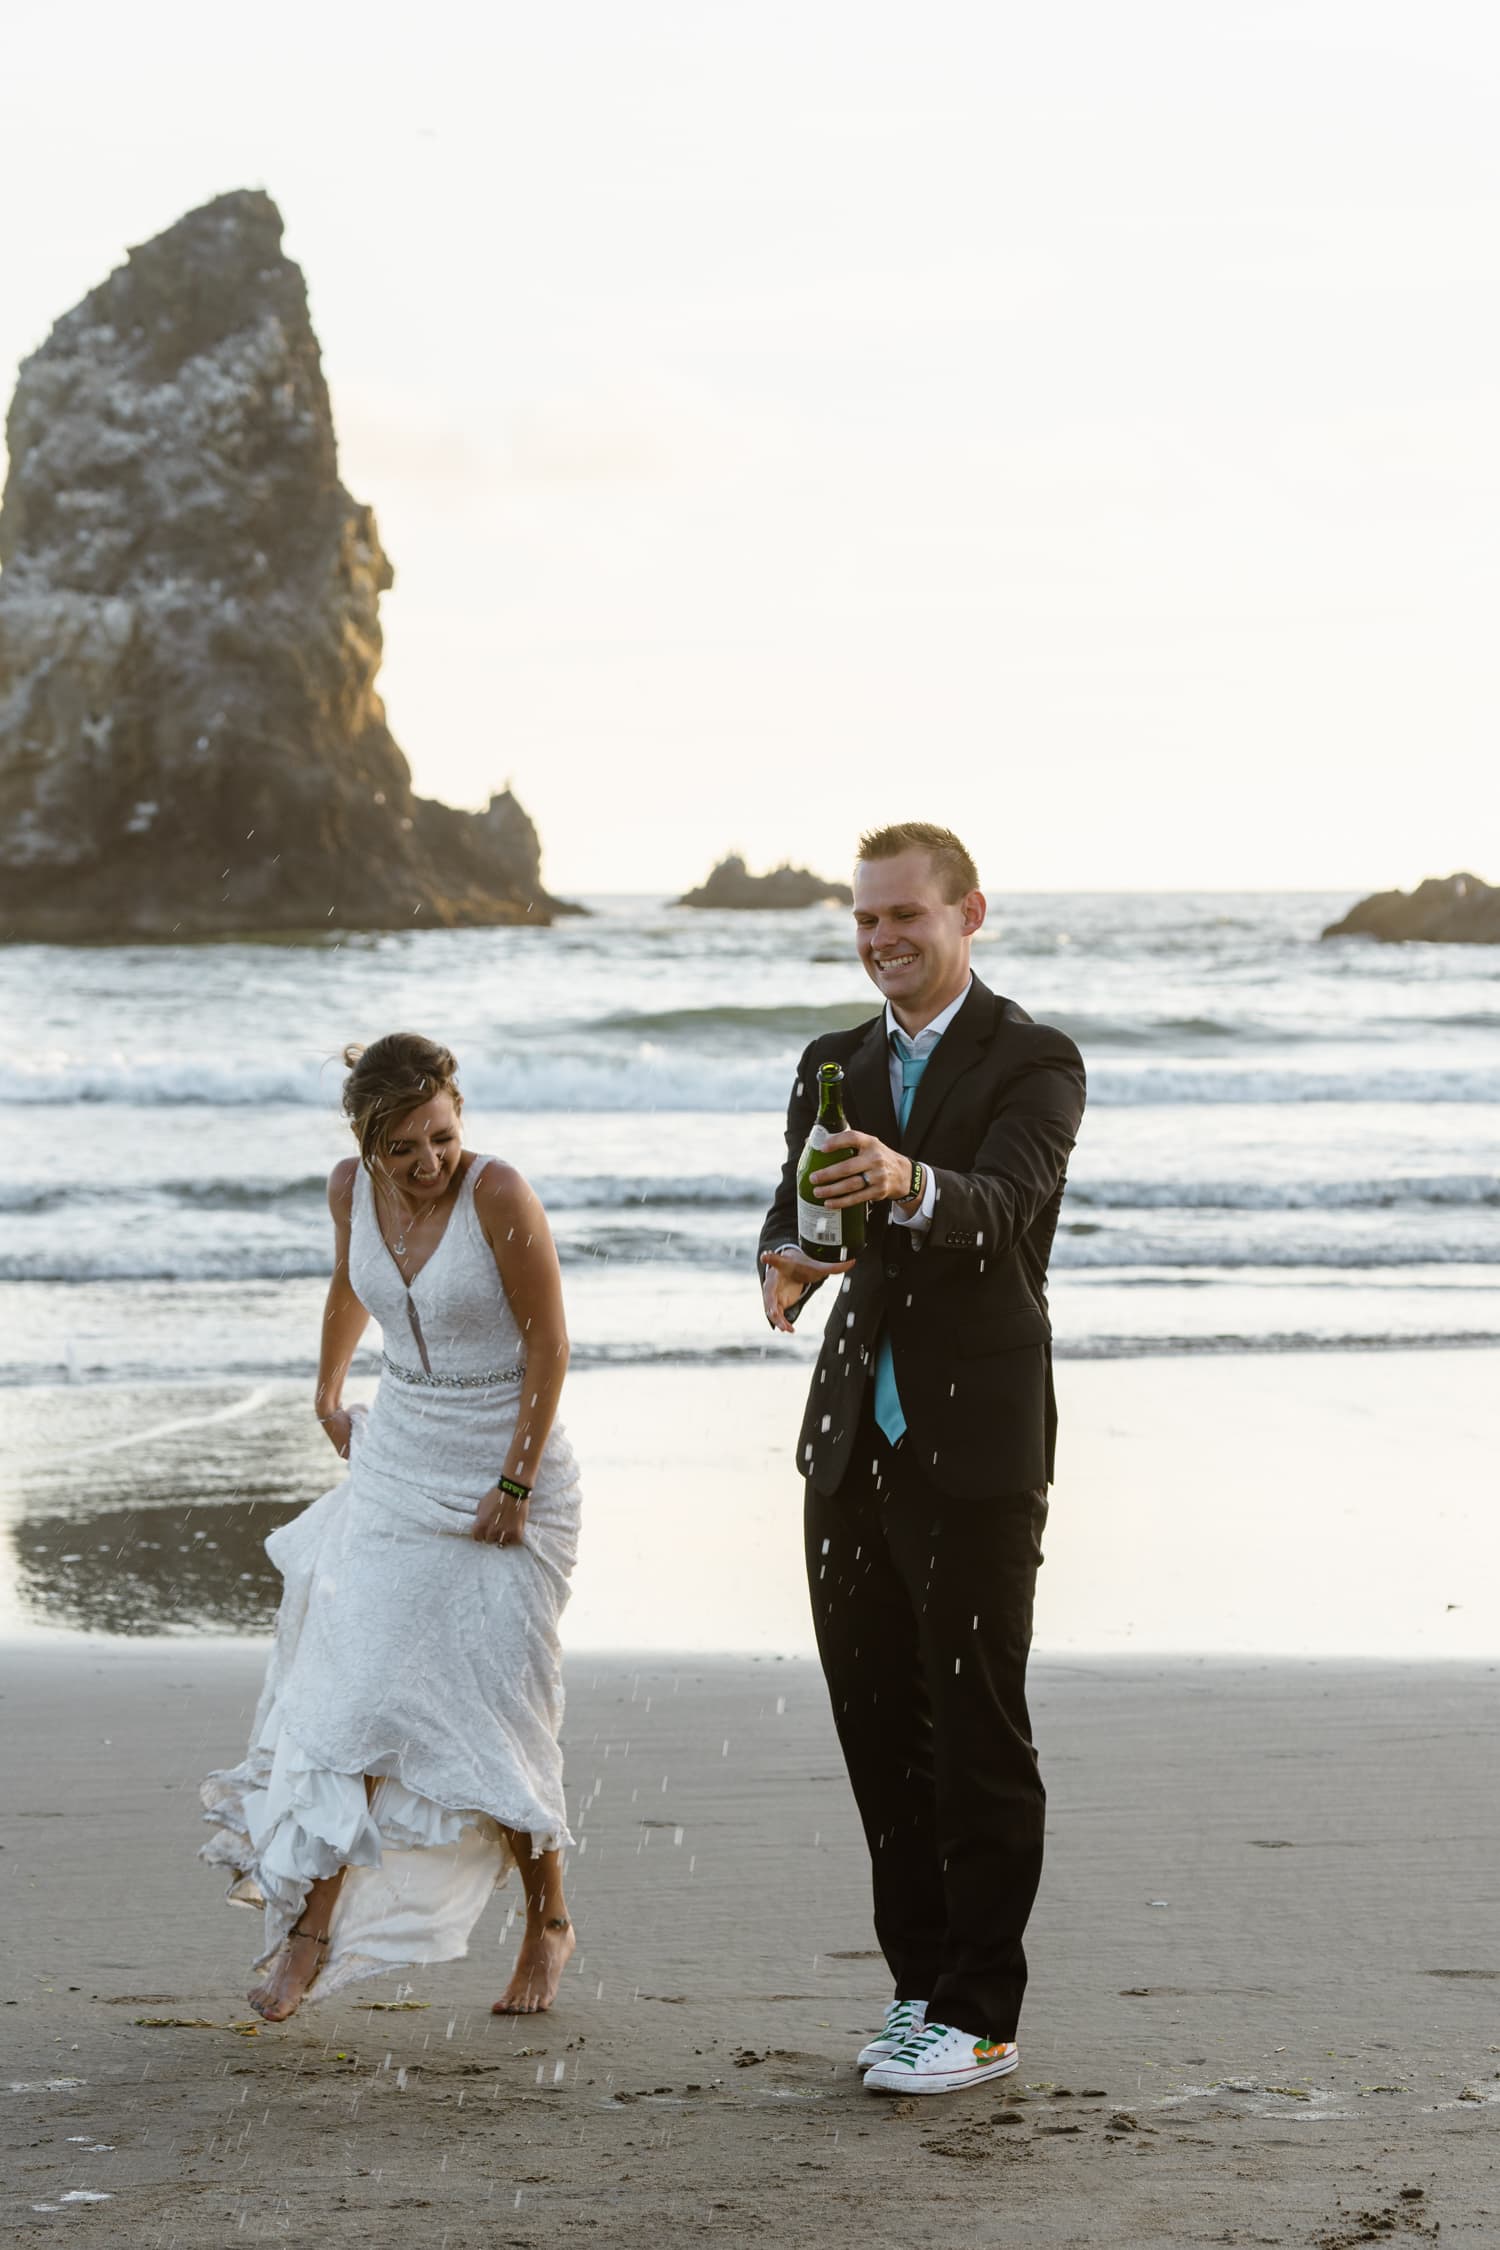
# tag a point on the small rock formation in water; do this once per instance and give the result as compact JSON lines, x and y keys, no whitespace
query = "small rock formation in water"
{"x":190,"y":739}
{"x":1445,"y":910}
{"x":732,"y":884}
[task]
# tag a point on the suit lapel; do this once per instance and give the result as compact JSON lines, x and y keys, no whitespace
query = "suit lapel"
{"x":960,"y":1047}
{"x":867,"y":1083}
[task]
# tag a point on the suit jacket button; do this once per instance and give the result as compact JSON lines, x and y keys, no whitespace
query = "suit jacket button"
{"x":893,"y":1273}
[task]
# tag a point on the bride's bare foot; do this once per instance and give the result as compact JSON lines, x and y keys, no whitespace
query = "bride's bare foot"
{"x":545,"y":1947}
{"x":291,"y":1973}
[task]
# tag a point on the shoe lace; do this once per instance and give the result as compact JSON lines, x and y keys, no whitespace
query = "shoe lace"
{"x":925,"y":2036}
{"x":901,"y":2016}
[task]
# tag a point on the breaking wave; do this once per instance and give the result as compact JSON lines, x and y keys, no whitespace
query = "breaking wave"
{"x":651,"y":1077}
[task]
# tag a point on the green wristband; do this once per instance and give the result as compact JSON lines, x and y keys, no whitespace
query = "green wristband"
{"x":512,"y":1489}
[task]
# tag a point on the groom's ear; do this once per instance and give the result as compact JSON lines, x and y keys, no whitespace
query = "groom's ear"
{"x":975,"y":906}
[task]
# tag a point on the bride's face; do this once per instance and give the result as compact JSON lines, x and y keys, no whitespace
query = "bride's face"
{"x":421,"y":1152}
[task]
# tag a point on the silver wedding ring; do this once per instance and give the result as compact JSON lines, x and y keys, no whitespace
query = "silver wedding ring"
{"x":865,"y":1177}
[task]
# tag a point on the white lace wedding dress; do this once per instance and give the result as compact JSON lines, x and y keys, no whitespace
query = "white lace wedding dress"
{"x":404,"y":1648}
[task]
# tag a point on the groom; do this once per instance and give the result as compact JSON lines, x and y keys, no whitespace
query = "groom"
{"x":927,"y":1445}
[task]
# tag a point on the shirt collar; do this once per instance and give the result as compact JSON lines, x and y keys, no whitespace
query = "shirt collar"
{"x":927,"y":1038}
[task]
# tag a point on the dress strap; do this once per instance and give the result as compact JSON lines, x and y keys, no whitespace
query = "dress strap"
{"x":466,"y":1212}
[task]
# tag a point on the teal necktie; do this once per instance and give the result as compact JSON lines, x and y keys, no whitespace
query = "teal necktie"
{"x":889,"y":1418}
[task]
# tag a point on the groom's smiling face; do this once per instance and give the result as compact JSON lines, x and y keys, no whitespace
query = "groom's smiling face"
{"x":913,"y":941}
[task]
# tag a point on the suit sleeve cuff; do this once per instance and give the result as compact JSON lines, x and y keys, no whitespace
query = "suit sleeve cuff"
{"x":919,"y":1220}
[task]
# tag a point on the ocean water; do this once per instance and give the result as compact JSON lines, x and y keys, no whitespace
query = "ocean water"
{"x":1288,"y":1143}
{"x":1290,"y":1147}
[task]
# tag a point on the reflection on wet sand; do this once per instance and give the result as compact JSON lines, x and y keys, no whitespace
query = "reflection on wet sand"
{"x":164,"y":1569}
{"x":145,"y":1511}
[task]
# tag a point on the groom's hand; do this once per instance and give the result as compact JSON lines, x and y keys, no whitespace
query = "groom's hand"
{"x":872,"y":1173}
{"x":785,"y":1280}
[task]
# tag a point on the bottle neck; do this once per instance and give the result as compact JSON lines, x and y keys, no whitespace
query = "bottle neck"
{"x":831,"y":1106}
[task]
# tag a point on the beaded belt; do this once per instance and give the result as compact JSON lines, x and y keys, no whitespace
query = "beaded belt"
{"x":453,"y":1382}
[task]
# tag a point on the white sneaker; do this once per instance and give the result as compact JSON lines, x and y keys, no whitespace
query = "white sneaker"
{"x":939,"y":2060}
{"x":903,"y":2018}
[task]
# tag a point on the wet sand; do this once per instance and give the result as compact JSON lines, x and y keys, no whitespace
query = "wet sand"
{"x":1341,"y":1502}
{"x":1262,"y":2004}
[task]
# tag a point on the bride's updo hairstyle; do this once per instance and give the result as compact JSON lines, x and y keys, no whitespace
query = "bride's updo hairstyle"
{"x":387,"y":1081}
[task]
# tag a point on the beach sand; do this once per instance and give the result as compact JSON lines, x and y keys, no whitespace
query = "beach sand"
{"x":1264,"y":1959}
{"x":1262,"y":2002}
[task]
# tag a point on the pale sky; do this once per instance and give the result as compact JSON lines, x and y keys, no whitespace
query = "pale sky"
{"x":1076,"y":423}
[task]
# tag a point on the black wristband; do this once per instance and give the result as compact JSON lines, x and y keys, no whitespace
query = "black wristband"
{"x":918,"y":1183}
{"x":513,"y":1488}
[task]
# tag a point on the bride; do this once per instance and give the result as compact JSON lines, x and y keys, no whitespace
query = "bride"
{"x":404,"y":1752}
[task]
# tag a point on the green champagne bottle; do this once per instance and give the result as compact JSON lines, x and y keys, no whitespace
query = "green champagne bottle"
{"x":823,"y":1234}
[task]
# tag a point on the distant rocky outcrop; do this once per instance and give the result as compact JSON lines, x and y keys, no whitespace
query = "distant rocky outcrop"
{"x":1445,"y":910}
{"x":731,"y":884}
{"x":190,"y":738}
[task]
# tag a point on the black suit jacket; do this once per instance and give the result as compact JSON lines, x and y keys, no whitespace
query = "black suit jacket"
{"x":995,"y":1117}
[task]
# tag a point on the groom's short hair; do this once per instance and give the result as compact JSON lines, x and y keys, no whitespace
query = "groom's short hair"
{"x":951,"y":862}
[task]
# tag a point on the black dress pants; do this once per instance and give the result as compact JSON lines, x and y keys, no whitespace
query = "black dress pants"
{"x":922,"y":1605}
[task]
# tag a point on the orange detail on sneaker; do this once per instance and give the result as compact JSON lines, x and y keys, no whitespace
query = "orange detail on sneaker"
{"x":941,"y":2060}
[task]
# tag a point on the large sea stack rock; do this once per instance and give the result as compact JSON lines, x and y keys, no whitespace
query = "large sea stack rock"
{"x":190,"y":738}
{"x":1446,"y":910}
{"x":732,"y":884}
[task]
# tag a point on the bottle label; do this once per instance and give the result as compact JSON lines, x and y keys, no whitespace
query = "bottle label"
{"x":815,"y":1223}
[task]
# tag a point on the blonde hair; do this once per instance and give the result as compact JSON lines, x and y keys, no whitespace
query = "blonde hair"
{"x":390,"y":1079}
{"x":951,"y":862}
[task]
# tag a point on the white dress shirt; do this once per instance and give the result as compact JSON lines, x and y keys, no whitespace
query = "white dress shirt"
{"x":923,"y":1044}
